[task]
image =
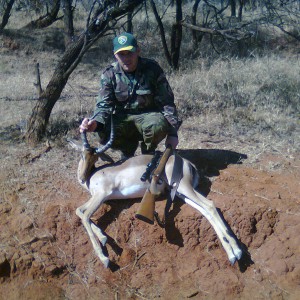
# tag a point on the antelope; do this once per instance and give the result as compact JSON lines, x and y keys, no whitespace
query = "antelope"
{"x":121,"y":180}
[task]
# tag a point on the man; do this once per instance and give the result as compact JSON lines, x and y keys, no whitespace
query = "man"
{"x":138,"y":94}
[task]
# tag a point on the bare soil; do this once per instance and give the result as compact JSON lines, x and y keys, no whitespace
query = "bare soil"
{"x":45,"y":252}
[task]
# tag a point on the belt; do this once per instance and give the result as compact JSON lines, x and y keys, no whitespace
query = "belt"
{"x":134,"y":111}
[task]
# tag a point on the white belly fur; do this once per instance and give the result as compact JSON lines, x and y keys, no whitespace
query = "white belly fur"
{"x":134,"y":191}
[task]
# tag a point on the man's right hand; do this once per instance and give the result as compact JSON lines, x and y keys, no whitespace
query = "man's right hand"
{"x":171,"y":140}
{"x":88,"y":125}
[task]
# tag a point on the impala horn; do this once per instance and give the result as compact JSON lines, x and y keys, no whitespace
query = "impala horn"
{"x":111,"y":138}
{"x":88,"y":147}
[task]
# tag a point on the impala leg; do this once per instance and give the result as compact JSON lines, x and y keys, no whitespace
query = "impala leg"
{"x":90,"y":208}
{"x":98,"y":232}
{"x":208,"y":209}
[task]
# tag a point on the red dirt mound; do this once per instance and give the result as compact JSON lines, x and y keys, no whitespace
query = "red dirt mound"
{"x":45,"y":252}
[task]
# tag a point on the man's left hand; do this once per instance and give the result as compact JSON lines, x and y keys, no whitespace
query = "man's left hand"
{"x":172,"y":140}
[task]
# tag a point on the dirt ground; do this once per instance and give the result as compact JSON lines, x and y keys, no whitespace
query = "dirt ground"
{"x":45,"y":252}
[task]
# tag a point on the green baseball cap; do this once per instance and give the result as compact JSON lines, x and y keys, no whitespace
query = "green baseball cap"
{"x":124,"y":42}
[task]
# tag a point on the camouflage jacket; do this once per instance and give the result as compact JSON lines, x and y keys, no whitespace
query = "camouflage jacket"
{"x":146,"y":91}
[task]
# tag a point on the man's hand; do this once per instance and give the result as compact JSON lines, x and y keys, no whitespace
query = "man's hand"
{"x":172,"y":140}
{"x":88,"y":125}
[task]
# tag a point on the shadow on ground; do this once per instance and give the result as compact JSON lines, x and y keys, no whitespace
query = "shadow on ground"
{"x":211,"y":160}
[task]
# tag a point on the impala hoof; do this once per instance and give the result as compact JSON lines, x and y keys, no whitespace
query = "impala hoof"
{"x":105,"y":262}
{"x":103,"y":241}
{"x":232,"y":260}
{"x":238,"y":254}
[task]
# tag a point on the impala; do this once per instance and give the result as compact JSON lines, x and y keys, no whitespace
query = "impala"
{"x":121,"y":181}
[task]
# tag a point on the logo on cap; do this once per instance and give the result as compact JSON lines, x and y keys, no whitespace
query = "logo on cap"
{"x":122,"y":39}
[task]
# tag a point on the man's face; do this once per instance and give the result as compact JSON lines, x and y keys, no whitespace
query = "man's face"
{"x":128,"y":60}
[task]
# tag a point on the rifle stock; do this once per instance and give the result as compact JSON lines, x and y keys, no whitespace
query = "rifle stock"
{"x":147,"y":207}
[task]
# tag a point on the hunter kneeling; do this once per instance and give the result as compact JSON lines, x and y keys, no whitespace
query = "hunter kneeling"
{"x":137,"y":94}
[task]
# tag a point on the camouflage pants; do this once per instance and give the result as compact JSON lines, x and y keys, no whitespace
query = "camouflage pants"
{"x":149,"y":128}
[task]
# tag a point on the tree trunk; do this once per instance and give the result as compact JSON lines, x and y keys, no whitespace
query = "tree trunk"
{"x":176,"y":36}
{"x":162,"y":32}
{"x":48,"y":19}
{"x":233,"y":8}
{"x":68,"y":22}
{"x":172,"y":56}
{"x":240,"y":11}
{"x":6,"y":14}
{"x":195,"y":34}
{"x":129,"y":21}
{"x":41,"y":112}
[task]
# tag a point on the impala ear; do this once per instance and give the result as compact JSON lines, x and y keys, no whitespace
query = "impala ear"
{"x":106,"y":157}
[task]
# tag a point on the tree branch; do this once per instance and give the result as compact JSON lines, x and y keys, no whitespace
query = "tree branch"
{"x":162,"y":32}
{"x":233,"y":34}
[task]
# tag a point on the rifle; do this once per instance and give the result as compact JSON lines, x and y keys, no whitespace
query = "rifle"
{"x":147,"y":206}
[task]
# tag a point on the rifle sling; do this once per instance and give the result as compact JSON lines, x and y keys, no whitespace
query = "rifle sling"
{"x":177,"y":175}
{"x":158,"y":171}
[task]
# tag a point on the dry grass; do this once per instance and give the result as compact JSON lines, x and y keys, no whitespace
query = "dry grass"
{"x":254,"y":98}
{"x":249,"y":105}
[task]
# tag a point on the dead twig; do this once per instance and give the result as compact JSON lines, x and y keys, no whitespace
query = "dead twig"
{"x":137,"y":258}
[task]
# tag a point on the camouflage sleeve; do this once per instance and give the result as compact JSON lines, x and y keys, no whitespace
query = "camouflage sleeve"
{"x":105,"y":99}
{"x":164,"y":99}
